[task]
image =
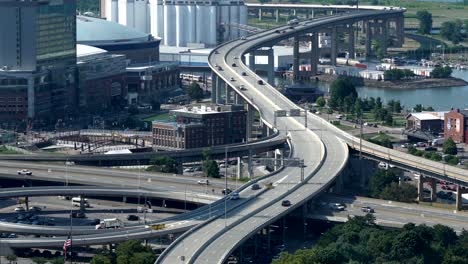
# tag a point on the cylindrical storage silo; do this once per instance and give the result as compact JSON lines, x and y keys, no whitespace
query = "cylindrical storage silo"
{"x":169,"y":25}
{"x":140,"y":15}
{"x":122,"y":8}
{"x":225,"y":21}
{"x":202,"y":25}
{"x":212,"y":26}
{"x":160,"y":20}
{"x":243,"y":13}
{"x":191,"y":23}
{"x":113,"y":7}
{"x":181,"y":25}
{"x":131,"y":13}
{"x":234,"y":20}
{"x":153,"y":18}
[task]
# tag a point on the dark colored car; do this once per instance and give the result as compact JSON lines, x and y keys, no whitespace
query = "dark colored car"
{"x":367,"y":209}
{"x":286,"y":203}
{"x":226,"y":191}
{"x":244,"y":74}
{"x":133,"y":218}
{"x":78,"y":215}
{"x":260,"y":82}
{"x":255,"y":186}
{"x":234,"y":65}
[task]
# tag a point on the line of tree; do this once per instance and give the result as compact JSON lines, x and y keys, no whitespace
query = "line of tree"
{"x":441,"y":72}
{"x":425,"y":21}
{"x":420,"y":108}
{"x":384,"y":184}
{"x":398,"y":74}
{"x":452,"y":30}
{"x":210,"y":166}
{"x":163,"y":164}
{"x":360,"y":240}
{"x":128,"y":252}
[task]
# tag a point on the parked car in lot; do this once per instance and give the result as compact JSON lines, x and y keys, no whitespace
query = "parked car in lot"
{"x":24,"y":172}
{"x":367,"y":209}
{"x":285,"y":203}
{"x":204,"y":182}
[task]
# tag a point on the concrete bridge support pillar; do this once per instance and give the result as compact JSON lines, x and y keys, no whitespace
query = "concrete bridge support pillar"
{"x":252,"y":61}
{"x":82,"y":204}
{"x":124,"y":199}
{"x":459,"y":200}
{"x":277,"y":15}
{"x":239,"y":167}
{"x":26,"y":202}
{"x":250,"y":165}
{"x":384,"y":38}
{"x":296,"y":58}
{"x":314,"y":54}
{"x":433,"y":183}
{"x":400,"y":31}
{"x":214,"y":81}
{"x":249,"y":121}
{"x":260,"y":14}
{"x":219,"y":86}
{"x":180,"y":168}
{"x":351,"y":42}
{"x":334,"y":46}
{"x":271,"y":67}
{"x":228,"y":90}
{"x":368,"y":43}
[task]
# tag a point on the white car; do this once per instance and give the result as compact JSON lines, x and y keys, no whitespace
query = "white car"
{"x":235,"y":196}
{"x":19,"y":209}
{"x":204,"y":182}
{"x":24,"y":172}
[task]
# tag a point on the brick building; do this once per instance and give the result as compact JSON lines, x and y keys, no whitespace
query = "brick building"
{"x":455,"y":125}
{"x":195,"y":127}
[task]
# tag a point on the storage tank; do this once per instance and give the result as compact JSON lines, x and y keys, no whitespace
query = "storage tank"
{"x":202,"y":23}
{"x":169,"y":25}
{"x":191,"y":23}
{"x":234,"y":19}
{"x":243,"y":13}
{"x":212,"y":24}
{"x":154,"y":18}
{"x":122,"y":14}
{"x":140,"y":15}
{"x":114,"y":11}
{"x":224,"y":20}
{"x":130,"y":13}
{"x":181,"y":25}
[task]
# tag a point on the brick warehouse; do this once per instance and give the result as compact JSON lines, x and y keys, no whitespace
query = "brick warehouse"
{"x":455,"y":125}
{"x":203,"y":126}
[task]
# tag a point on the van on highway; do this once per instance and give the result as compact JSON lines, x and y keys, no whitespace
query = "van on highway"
{"x":110,"y":223}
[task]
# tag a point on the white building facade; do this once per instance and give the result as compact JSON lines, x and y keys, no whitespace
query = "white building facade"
{"x":180,"y":23}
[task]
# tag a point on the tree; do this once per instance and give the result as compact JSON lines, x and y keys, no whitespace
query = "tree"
{"x":380,"y":180}
{"x":339,"y":90}
{"x":133,"y":251}
{"x":133,"y":110}
{"x":164,"y":164}
{"x":194,"y":91}
{"x":451,"y":30}
{"x":155,"y":105}
{"x":449,"y":147}
{"x":441,"y":72}
{"x":358,"y":108}
{"x":320,"y":101}
{"x":143,"y":258}
{"x":211,"y":168}
{"x":425,"y":21}
{"x":401,"y":193}
{"x":11,"y":258}
{"x":100,"y":259}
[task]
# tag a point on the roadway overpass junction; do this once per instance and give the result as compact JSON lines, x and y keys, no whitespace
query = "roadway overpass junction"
{"x":215,"y":232}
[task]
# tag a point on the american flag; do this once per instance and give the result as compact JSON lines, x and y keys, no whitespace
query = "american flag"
{"x":67,"y":244}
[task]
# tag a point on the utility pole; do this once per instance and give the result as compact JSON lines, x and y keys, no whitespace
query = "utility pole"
{"x":225,"y":185}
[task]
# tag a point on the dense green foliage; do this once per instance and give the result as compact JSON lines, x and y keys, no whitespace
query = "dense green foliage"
{"x":384,"y":185}
{"x":100,"y":259}
{"x":361,"y":241}
{"x":320,"y":101}
{"x":452,"y":30}
{"x":425,"y":21}
{"x":441,"y":72}
{"x":342,"y":94}
{"x":194,"y":91}
{"x":450,"y":147}
{"x":452,"y":160}
{"x":419,"y":108}
{"x":129,"y":252}
{"x":163,"y":164}
{"x":398,"y":74}
{"x":210,"y":166}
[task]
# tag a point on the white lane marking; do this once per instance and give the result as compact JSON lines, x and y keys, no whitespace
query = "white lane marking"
{"x":280,"y":180}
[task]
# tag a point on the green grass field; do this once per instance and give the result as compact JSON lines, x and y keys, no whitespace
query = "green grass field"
{"x":158,"y":117}
{"x":4,"y":150}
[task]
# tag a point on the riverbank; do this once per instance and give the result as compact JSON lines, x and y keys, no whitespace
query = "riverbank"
{"x":402,"y":84}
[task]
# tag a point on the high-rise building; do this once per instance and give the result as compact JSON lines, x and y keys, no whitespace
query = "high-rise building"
{"x":180,"y":23}
{"x":37,"y":58}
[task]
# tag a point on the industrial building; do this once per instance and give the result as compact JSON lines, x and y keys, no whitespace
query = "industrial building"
{"x":455,"y":125}
{"x":37,"y":59}
{"x":180,"y":23}
{"x":102,"y":80}
{"x":201,"y":126}
{"x":147,"y":79}
{"x":426,"y":121}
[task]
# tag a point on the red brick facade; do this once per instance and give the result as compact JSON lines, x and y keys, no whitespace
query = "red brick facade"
{"x":455,"y":125}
